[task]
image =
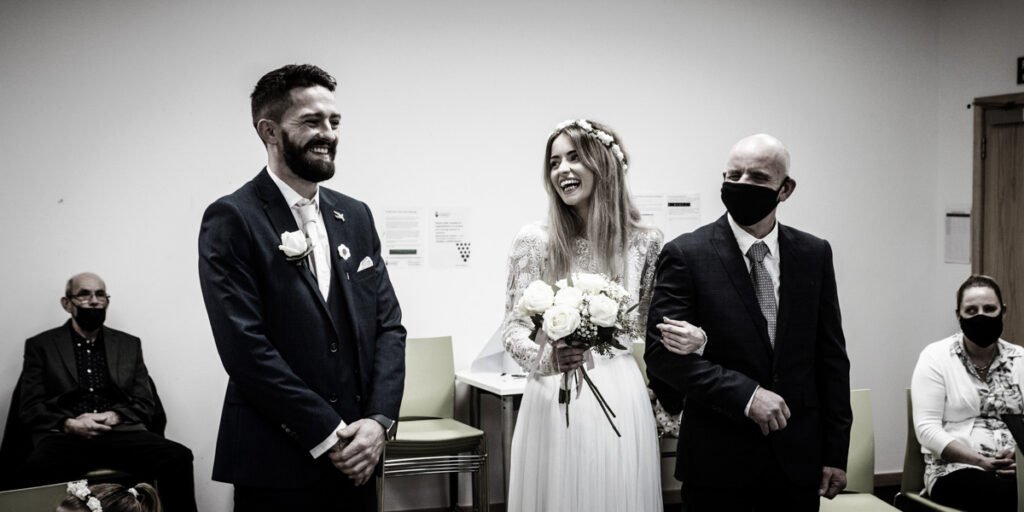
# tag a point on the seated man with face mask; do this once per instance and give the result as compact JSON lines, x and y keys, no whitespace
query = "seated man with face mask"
{"x":86,"y":400}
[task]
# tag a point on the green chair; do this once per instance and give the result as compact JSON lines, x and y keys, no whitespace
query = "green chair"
{"x":429,"y":441}
{"x":911,"y":496}
{"x":860,"y":467}
{"x":44,"y":498}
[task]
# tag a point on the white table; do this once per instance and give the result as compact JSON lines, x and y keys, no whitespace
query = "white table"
{"x":508,"y":389}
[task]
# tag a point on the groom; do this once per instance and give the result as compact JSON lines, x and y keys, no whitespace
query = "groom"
{"x":303,"y":314}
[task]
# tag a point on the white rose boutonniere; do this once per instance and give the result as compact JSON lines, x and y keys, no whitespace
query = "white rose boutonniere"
{"x":295,"y":245}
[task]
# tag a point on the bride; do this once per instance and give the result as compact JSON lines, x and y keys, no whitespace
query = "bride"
{"x":592,"y":227}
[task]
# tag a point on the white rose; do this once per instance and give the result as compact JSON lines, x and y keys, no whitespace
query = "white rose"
{"x":293,"y":244}
{"x":603,"y":311}
{"x":537,"y":298}
{"x":589,"y":283}
{"x":561,"y":321}
{"x":570,"y":297}
{"x":561,"y":283}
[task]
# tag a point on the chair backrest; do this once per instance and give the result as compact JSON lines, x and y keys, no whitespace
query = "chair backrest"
{"x":860,"y":468}
{"x":913,"y":460}
{"x":429,"y":379}
{"x":44,"y":498}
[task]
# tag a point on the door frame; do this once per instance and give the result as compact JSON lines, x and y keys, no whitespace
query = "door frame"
{"x":981,"y":105}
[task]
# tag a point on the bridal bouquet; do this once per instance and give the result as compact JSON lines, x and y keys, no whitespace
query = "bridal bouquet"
{"x":586,"y":311}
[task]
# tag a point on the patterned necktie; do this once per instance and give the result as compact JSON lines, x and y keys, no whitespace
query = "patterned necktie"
{"x":763,"y":287}
{"x":310,"y":220}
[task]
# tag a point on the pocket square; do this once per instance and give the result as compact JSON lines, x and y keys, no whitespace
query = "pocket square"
{"x":365,"y":264}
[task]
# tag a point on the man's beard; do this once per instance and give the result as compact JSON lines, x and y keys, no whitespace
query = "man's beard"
{"x":313,"y":170}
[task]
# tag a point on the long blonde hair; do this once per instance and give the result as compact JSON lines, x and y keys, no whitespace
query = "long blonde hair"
{"x":612,"y":215}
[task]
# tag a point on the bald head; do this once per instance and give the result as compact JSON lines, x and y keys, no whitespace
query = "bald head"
{"x":761,"y":151}
{"x":84,"y":281}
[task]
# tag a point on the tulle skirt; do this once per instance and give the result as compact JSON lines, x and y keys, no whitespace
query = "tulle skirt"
{"x":585,"y":467}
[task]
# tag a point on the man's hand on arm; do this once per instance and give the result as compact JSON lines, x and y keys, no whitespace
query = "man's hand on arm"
{"x":681,"y":337}
{"x":358,"y":449}
{"x":833,"y":480}
{"x":770,"y":412}
{"x":86,"y":425}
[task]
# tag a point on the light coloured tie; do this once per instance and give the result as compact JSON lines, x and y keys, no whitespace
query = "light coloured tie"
{"x":763,"y":287}
{"x":310,"y":220}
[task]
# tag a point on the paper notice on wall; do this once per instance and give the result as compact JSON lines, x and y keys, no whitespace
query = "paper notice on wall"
{"x":404,"y":237}
{"x":450,"y":238}
{"x":673,"y":214}
{"x":958,"y":237}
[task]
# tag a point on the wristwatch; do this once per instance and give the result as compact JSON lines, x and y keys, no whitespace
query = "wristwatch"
{"x":390,"y":425}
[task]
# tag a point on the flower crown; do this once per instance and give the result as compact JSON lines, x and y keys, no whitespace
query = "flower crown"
{"x":80,"y":490}
{"x":602,"y":136}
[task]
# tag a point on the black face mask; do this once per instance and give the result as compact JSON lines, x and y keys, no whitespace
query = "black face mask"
{"x":90,"y":319}
{"x":748,"y":204}
{"x":983,"y":330}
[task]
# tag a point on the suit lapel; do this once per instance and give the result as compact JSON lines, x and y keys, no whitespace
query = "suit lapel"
{"x":338,"y":233}
{"x":281,"y":218}
{"x":66,"y":351}
{"x":110,"y":349}
{"x":728,"y":251}
{"x":789,"y":262}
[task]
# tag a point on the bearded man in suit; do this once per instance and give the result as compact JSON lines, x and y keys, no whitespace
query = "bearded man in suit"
{"x":766,"y":397}
{"x":87,"y":401}
{"x":303,"y":314}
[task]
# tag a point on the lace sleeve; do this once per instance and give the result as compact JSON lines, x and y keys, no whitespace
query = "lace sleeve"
{"x":653,"y":248}
{"x":524,"y":267}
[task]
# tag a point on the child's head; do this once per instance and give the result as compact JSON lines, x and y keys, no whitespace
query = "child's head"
{"x":109,"y":498}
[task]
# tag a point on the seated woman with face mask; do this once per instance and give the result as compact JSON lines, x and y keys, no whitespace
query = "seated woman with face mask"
{"x":960,"y":388}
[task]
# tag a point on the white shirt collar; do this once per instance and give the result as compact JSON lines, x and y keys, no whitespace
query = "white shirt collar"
{"x":290,"y":195}
{"x":745,"y":240}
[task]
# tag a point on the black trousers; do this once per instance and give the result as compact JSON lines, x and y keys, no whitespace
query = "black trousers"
{"x":332,"y":491}
{"x":770,"y":492}
{"x":62,"y":457}
{"x":973,"y":489}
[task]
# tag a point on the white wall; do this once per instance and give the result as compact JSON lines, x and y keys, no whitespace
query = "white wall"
{"x":123,"y":120}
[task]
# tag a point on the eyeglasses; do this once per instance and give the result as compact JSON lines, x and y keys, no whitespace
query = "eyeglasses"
{"x":85,"y":297}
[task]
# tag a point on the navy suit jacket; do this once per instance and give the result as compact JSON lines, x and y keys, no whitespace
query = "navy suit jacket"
{"x":50,"y":375}
{"x":297,"y":365}
{"x":703,"y":279}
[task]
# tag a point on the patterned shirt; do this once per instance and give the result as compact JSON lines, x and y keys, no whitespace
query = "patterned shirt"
{"x":998,"y":394}
{"x":96,"y":392}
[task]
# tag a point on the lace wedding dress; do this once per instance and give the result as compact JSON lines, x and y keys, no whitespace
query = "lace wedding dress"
{"x":584,"y":467}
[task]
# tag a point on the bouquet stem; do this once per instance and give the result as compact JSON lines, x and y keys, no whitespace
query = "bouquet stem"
{"x":608,"y":412}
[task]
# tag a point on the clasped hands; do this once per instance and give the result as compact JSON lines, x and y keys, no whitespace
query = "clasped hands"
{"x":91,"y":424}
{"x":1004,"y":463}
{"x":358,"y":449}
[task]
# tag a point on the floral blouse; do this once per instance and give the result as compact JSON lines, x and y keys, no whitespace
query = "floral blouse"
{"x":999,"y":394}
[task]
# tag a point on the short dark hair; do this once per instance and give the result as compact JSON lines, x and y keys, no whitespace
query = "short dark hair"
{"x":978,"y":281}
{"x":272,"y":95}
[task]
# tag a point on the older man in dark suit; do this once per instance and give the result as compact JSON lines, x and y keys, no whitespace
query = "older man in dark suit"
{"x":303,"y":313}
{"x":766,"y":415}
{"x":86,"y":400}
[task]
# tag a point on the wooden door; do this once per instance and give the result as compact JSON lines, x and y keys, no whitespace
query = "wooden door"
{"x":997,"y":225}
